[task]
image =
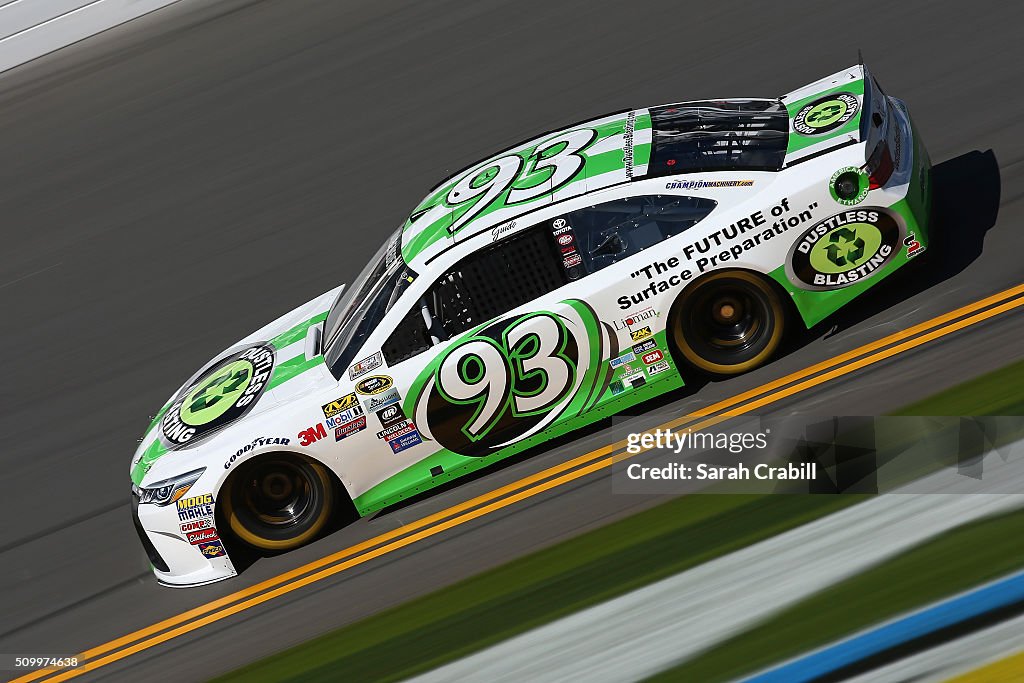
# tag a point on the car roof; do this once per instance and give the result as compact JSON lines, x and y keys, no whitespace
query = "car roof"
{"x":600,"y":153}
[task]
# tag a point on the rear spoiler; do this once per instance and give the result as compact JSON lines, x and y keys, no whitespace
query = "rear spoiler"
{"x":828,"y":113}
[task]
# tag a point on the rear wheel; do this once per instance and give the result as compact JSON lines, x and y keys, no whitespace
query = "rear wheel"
{"x":729,"y":322}
{"x":279,"y":501}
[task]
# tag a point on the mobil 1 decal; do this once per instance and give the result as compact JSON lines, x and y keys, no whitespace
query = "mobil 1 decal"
{"x":218,"y":396}
{"x":512,"y":378}
{"x":845,"y":248}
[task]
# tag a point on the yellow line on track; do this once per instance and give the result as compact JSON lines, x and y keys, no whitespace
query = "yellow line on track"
{"x":1002,"y":671}
{"x":527,"y":487}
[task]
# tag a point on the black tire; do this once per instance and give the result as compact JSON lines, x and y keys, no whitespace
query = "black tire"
{"x":278,"y":502}
{"x":728,"y":323}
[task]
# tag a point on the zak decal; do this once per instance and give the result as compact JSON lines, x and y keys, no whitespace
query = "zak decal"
{"x":513,"y":378}
{"x":826,"y":114}
{"x":219,"y":396}
{"x":845,"y":249}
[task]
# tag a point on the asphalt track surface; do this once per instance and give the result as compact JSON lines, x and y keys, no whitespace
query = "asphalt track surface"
{"x":177,"y":182}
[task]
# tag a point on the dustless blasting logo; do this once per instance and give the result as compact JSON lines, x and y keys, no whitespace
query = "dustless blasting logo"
{"x":845,"y":249}
{"x":506,"y":381}
{"x":826,"y":114}
{"x":220,"y":396}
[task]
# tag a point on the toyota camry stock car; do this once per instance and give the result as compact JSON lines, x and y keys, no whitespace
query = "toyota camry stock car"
{"x":553,"y":284}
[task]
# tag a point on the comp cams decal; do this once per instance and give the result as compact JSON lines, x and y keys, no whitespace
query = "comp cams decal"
{"x":219,"y":396}
{"x":844,"y":249}
{"x":511,"y":379}
{"x":826,"y":114}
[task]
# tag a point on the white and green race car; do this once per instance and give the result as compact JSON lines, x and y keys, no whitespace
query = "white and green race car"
{"x":554,"y":284}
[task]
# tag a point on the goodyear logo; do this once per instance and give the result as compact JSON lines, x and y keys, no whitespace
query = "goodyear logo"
{"x":340,"y":405}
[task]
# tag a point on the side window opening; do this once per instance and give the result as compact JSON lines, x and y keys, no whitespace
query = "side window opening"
{"x":609,"y":232}
{"x":483,"y":286}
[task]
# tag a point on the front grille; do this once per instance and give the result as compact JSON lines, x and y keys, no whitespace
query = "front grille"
{"x":154,"y":556}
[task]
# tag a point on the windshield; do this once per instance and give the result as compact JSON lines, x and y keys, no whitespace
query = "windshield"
{"x":360,"y":308}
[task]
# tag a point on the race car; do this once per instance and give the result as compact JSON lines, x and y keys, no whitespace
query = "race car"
{"x":556,"y":283}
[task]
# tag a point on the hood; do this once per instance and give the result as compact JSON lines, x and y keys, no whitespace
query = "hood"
{"x":271,"y":366}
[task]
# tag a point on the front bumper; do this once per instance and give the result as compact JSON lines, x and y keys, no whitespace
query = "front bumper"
{"x":176,"y":562}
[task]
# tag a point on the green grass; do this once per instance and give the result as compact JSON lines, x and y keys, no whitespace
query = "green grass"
{"x":541,"y":587}
{"x":998,"y":393}
{"x":952,"y":563}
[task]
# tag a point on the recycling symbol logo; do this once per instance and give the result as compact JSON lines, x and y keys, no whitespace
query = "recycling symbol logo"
{"x":846,"y":247}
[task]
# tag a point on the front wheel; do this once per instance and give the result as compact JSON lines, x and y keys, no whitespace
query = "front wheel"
{"x":278,"y":502}
{"x":729,"y":322}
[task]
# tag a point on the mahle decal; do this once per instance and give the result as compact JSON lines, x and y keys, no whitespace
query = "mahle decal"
{"x":826,"y":114}
{"x":219,"y":396}
{"x":845,"y":249}
{"x":508,"y":381}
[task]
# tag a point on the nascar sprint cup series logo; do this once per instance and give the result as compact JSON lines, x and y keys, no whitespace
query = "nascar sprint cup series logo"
{"x":845,"y":248}
{"x":826,"y":114}
{"x":510,"y":380}
{"x":219,"y":396}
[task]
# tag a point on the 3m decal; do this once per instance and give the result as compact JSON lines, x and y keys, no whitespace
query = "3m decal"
{"x":366,"y":365}
{"x":375,"y":384}
{"x":212,"y":549}
{"x":311,"y":435}
{"x":339,"y":405}
{"x":219,"y":396}
{"x":845,"y":249}
{"x":826,"y":114}
{"x":509,"y":380}
{"x":202,"y":536}
{"x":642,"y":333}
{"x":350,"y":428}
